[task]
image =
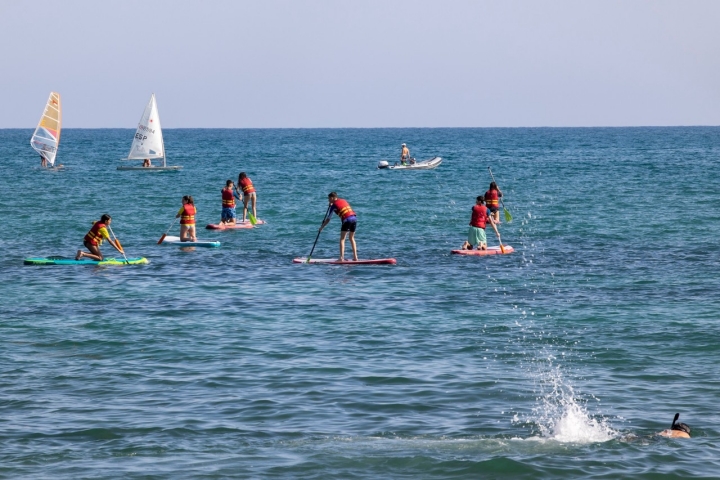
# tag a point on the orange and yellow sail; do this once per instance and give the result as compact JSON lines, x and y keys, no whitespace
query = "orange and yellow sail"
{"x":46,"y":138}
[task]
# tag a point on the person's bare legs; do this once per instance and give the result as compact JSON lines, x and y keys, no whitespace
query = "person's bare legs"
{"x":246,"y":200}
{"x":354,"y":246}
{"x":254,"y":205}
{"x":342,"y":245}
{"x":93,"y":255}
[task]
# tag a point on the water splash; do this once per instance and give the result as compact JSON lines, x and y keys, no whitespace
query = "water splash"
{"x":563,"y":416}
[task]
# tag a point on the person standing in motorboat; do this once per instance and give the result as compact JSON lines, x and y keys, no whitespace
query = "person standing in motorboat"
{"x":348,"y":219}
{"x":405,"y":155}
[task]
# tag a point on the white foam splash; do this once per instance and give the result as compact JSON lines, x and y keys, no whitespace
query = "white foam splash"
{"x":560,"y":416}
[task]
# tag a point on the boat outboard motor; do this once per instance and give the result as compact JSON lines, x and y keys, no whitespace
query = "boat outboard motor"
{"x":383,"y":164}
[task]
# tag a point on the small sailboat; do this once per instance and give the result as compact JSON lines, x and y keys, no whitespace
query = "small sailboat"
{"x":46,"y":138}
{"x":148,"y":143}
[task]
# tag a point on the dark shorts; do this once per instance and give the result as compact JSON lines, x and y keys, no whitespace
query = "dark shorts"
{"x":493,"y":209}
{"x":348,"y":226}
{"x":228,"y":213}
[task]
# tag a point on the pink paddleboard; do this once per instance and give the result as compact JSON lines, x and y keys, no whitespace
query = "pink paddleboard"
{"x":489,"y":251}
{"x":238,"y":225}
{"x":335,"y":261}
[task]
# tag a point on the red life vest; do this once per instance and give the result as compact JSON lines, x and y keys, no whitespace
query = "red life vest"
{"x":479,"y":216}
{"x":187,"y":214}
{"x":342,"y":208}
{"x":491,"y":199}
{"x":247,"y":186}
{"x":94,"y":236}
{"x":228,"y":201}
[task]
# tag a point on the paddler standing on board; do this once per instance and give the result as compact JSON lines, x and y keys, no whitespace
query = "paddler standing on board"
{"x":94,"y":239}
{"x":187,"y":219}
{"x":478,"y":221}
{"x":492,"y":201}
{"x":348,"y":219}
{"x":249,"y":194}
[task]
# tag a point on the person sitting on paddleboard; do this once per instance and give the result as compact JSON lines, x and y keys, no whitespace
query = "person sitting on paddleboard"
{"x":94,"y":238}
{"x":228,"y":216}
{"x":478,"y":221}
{"x":249,"y":193}
{"x":677,"y":430}
{"x":492,"y":201}
{"x":187,"y":219}
{"x":348,"y":219}
{"x":404,"y":155}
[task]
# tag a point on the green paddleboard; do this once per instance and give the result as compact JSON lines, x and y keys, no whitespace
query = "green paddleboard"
{"x":72,"y":261}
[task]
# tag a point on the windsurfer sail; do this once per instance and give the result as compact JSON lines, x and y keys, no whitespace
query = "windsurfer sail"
{"x":46,"y":138}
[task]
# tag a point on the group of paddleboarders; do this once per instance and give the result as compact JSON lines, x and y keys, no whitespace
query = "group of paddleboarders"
{"x":486,"y":209}
{"x":245,"y":191}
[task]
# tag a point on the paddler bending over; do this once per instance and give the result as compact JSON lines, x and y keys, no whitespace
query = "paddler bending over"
{"x":677,"y":430}
{"x":95,"y":237}
{"x":478,"y":221}
{"x":348,"y":219}
{"x":249,"y":194}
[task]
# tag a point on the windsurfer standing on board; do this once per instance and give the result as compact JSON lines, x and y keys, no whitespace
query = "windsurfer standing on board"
{"x":43,"y":161}
{"x":348,"y":219}
{"x":94,"y":238}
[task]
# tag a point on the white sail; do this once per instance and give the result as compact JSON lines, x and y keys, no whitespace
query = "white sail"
{"x":46,"y":138}
{"x":148,"y":141}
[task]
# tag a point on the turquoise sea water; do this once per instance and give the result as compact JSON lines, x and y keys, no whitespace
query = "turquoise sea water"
{"x":558,"y":361}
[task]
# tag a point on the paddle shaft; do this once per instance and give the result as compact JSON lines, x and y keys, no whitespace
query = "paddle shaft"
{"x":318,"y":234}
{"x":122,"y":250}
{"x":493,"y":179}
{"x":167,"y":231}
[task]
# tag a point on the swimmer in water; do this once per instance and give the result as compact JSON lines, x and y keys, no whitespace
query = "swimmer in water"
{"x":677,"y":430}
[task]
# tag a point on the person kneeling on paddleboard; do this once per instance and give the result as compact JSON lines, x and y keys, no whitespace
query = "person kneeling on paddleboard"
{"x":677,"y":430}
{"x":227,"y":216}
{"x":478,"y":221}
{"x":94,"y":239}
{"x":348,"y":219}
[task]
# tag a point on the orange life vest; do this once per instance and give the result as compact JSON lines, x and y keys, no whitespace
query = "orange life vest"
{"x":247,"y":186}
{"x":228,"y":201}
{"x":342,"y":208}
{"x":491,"y":199}
{"x":97,"y":233}
{"x":479,"y":216}
{"x":187,"y":214}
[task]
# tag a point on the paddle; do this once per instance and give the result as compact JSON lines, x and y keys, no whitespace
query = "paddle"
{"x":502,"y":248}
{"x":117,"y":242}
{"x":166,"y":232}
{"x":252,"y":218}
{"x":508,"y":217}
{"x":318,"y":234}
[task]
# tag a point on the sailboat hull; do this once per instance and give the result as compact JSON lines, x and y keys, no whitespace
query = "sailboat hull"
{"x":171,"y":168}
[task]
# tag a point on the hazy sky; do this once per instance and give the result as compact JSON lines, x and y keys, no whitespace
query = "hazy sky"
{"x":342,"y":63}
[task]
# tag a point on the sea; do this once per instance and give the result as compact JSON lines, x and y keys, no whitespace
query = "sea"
{"x":560,"y":360}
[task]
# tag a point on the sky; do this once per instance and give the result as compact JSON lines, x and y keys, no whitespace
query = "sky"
{"x":362,"y":63}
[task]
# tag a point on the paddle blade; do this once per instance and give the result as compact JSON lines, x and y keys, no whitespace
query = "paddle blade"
{"x":117,"y":241}
{"x":253,"y":220}
{"x":162,"y":238}
{"x":508,"y":217}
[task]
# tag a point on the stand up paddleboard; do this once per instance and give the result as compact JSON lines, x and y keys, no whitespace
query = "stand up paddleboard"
{"x":170,"y":240}
{"x":237,"y":226}
{"x":335,"y":261}
{"x":489,"y":251}
{"x":72,"y":261}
